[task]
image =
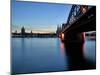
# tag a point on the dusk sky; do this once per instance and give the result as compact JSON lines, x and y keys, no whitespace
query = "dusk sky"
{"x":38,"y":17}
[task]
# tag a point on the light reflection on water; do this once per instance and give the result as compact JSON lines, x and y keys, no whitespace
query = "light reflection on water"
{"x":49,"y":54}
{"x":89,"y":50}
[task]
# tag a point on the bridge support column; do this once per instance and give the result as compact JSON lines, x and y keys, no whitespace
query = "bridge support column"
{"x":74,"y":37}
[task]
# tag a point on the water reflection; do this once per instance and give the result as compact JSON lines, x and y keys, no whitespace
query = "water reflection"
{"x":76,"y":56}
{"x":90,"y":50}
{"x":62,"y":48}
{"x":32,"y":55}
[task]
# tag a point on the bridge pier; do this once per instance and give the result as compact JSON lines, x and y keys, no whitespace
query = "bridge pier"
{"x":73,"y":37}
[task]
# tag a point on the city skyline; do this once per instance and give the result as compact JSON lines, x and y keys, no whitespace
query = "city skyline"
{"x":38,"y":17}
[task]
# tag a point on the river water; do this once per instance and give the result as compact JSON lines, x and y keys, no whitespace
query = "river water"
{"x":34,"y":55}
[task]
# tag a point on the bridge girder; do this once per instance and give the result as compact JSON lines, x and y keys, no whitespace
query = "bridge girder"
{"x":77,"y":11}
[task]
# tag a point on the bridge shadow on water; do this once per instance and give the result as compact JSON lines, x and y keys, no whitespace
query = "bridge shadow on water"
{"x":76,"y":57}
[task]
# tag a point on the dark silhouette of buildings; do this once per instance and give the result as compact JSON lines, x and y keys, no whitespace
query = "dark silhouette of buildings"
{"x":58,"y":31}
{"x":60,"y":28}
{"x":23,"y":31}
{"x":15,"y":31}
{"x":23,"y":34}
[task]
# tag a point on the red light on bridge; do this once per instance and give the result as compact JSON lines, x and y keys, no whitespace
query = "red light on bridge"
{"x":62,"y":36}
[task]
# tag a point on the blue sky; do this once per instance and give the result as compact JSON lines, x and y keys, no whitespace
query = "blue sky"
{"x":38,"y":17}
